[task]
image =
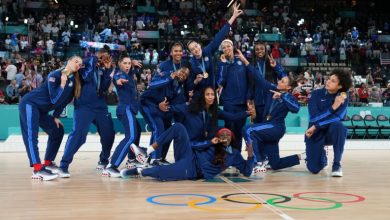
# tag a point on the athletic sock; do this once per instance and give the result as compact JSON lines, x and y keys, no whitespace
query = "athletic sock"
{"x":149,"y":150}
{"x":37,"y":166}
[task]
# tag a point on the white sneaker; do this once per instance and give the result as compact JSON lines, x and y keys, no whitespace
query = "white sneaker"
{"x":260,"y":167}
{"x":133,"y":163}
{"x":111,"y":172}
{"x":337,"y":173}
{"x":303,"y":156}
{"x":43,"y":174}
{"x":101,"y":166}
{"x":140,"y":154}
{"x":231,"y":170}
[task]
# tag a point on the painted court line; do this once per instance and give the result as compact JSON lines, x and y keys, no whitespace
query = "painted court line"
{"x":257,"y":198}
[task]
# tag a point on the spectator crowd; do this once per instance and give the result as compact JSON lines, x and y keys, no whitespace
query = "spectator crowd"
{"x":318,"y":35}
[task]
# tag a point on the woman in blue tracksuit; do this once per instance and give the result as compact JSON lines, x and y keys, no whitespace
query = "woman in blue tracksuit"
{"x":164,"y":88}
{"x":58,"y":90}
{"x":201,"y":117}
{"x":163,"y":72}
{"x":266,"y":71}
{"x":327,"y":109}
{"x":202,"y":68}
{"x":90,"y":108}
{"x":278,"y":102}
{"x":126,"y":112}
{"x":233,"y":85}
{"x":192,"y":163}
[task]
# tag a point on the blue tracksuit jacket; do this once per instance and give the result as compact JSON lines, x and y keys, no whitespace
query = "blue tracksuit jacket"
{"x":34,"y":109}
{"x":205,"y":63}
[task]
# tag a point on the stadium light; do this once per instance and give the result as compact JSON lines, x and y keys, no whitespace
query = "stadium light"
{"x":6,"y":18}
{"x":76,"y":26}
{"x":25,"y":21}
{"x":71,"y":23}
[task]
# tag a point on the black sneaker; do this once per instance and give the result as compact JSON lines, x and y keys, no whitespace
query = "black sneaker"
{"x":164,"y":162}
{"x":157,"y":162}
{"x":63,"y":173}
{"x":126,"y":173}
{"x":52,"y":167}
{"x":43,"y":174}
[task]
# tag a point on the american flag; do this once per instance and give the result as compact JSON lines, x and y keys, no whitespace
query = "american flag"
{"x":385,"y":59}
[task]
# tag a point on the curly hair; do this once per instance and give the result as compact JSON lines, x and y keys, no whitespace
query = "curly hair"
{"x":344,"y":78}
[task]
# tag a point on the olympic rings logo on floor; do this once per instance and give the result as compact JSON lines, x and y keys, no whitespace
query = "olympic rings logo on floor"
{"x":204,"y":201}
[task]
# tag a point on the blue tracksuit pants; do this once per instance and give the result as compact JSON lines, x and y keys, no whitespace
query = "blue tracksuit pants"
{"x":158,"y":125}
{"x":259,"y":114}
{"x":266,"y":136}
{"x":237,"y":125}
{"x":30,"y":121}
{"x":184,"y":167}
{"x":335,"y":134}
{"x":82,"y":119}
{"x":132,"y":135}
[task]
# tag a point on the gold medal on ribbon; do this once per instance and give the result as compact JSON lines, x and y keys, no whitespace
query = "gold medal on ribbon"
{"x":343,"y":94}
{"x":66,"y":72}
{"x":205,"y":75}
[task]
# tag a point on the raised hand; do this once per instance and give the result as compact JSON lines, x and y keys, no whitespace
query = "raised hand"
{"x":215,"y":140}
{"x":106,"y":61}
{"x":276,"y":94}
{"x":236,"y":10}
{"x":174,"y":75}
{"x":136,"y":63}
{"x":272,"y":61}
{"x":120,"y":82}
{"x":198,"y":79}
{"x":223,"y":58}
{"x":240,"y":56}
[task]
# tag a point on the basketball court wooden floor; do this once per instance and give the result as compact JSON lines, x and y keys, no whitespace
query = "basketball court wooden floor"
{"x":362,"y":193}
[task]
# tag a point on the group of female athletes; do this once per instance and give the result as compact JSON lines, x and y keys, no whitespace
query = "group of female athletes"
{"x":183,"y":104}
